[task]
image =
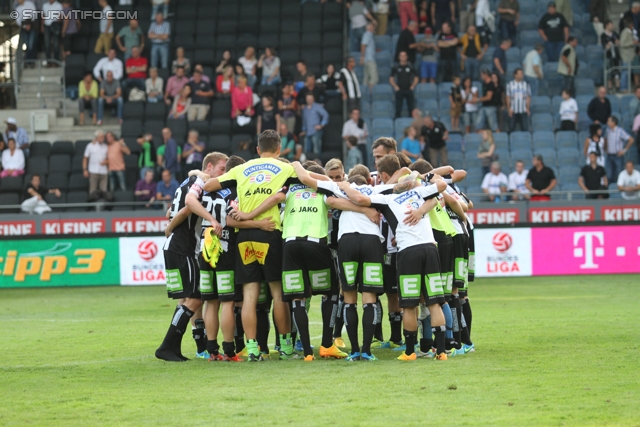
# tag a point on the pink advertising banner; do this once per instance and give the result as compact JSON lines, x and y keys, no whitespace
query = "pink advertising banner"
{"x":585,"y":250}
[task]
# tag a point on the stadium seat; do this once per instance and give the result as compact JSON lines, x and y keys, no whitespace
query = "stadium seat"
{"x":39,"y":165}
{"x":543,"y":139}
{"x":77,"y":197}
{"x":81,"y":145}
{"x":59,"y":180}
{"x":7,"y":199}
{"x":426,"y":90}
{"x":540,"y":104}
{"x":523,"y":155}
{"x":585,"y":86}
{"x":178,"y":127}
{"x":155,"y":111}
{"x":501,"y":140}
{"x":78,"y":182}
{"x":13,"y":184}
{"x":568,"y":156}
{"x":541,"y":122}
{"x":52,"y":199}
{"x":60,"y":163}
{"x":121,"y":197}
{"x":220,"y":143}
{"x":383,"y":126}
{"x":383,"y":109}
{"x":63,"y":147}
{"x":566,"y":139}
{"x":548,"y":154}
{"x":383,"y":92}
{"x":133,"y":110}
{"x":131,"y":127}
{"x":40,"y":149}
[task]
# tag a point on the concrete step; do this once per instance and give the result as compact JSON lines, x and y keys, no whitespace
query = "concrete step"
{"x":47,"y":93}
{"x":34,"y":80}
{"x":39,"y":104}
{"x":49,"y":72}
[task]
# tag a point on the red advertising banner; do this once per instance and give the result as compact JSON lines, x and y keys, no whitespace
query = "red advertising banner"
{"x":139,"y":225}
{"x":74,"y":226}
{"x":548,"y":215}
{"x":494,"y":216}
{"x":620,"y":213}
{"x":17,"y":228}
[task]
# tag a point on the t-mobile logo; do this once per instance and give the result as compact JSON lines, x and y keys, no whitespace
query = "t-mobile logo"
{"x":589,"y":249}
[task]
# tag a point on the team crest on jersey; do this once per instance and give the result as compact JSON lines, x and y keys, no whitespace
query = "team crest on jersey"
{"x":412,"y":205}
{"x":261,"y":178}
{"x":306,"y":195}
{"x":261,"y":168}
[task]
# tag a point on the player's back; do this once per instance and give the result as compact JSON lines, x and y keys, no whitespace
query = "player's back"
{"x":184,"y":238}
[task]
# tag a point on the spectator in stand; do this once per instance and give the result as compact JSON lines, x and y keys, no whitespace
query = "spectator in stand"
{"x":490,"y":102}
{"x":354,"y":155}
{"x":593,"y":178}
{"x":270,"y":65}
{"x":599,"y":109}
{"x":169,"y":153}
{"x":242,"y":100}
{"x":518,"y":101}
{"x":19,"y":135}
{"x":471,"y":51}
{"x":368,"y":58}
{"x":200,"y":68}
{"x":404,"y":80}
{"x":28,"y":30}
{"x":153,"y":86}
{"x":88,"y":98}
{"x":610,"y":42}
{"x":159,"y":35}
{"x":629,"y":182}
{"x":13,"y":162}
{"x":159,"y":6}
{"x":165,"y":189}
{"x":435,"y":136}
{"x":106,"y":29}
{"x":132,"y":36}
{"x":193,"y":150}
{"x":226,"y":60}
{"x":500,"y":58}
{"x":429,"y":60}
{"x":423,"y":17}
{"x":568,"y":65}
{"x":330,"y":81}
{"x":70,"y":27}
{"x":146,"y":189}
{"x":595,"y":144}
{"x":554,"y":30}
{"x":147,"y":160}
{"x":51,"y":26}
{"x":486,"y":150}
{"x":517,"y":182}
{"x":224,"y":83}
{"x":381,"y":12}
{"x":310,"y":87}
{"x":110,"y":96}
{"x":290,"y":150}
{"x":509,"y":11}
{"x":631,"y":15}
{"x":564,"y":8}
{"x":201,"y":96}
{"x":467,"y":14}
{"x":136,"y":72}
{"x":484,"y":15}
{"x":357,"y":127}
{"x":358,"y":14}
{"x":540,"y":180}
{"x":599,"y":11}
{"x":455,"y":100}
{"x":533,"y":70}
{"x":500,"y":99}
{"x":94,"y":163}
{"x":349,"y":85}
{"x":300,"y":75}
{"x":410,"y":146}
{"x":181,"y":61}
{"x":616,"y":137}
{"x":314,"y":119}
{"x":288,"y":107}
{"x":443,"y":11}
{"x":448,"y":45}
{"x":249,"y":64}
{"x":469,"y":95}
{"x":568,"y":112}
{"x":407,"y":42}
{"x":495,"y":184}
{"x":628,"y":44}
{"x":174,"y":85}
{"x":181,"y":104}
{"x":268,"y":115}
{"x":407,"y":11}
{"x":110,"y":63}
{"x":34,"y":197}
{"x":116,"y":149}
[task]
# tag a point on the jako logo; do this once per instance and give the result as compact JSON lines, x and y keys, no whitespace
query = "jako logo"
{"x":147,"y":250}
{"x":502,"y":242}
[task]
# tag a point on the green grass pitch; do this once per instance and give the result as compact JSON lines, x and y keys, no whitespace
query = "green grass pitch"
{"x":550,"y":352}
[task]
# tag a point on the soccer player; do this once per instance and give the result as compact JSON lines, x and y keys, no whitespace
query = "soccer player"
{"x":418,"y":266}
{"x":383,"y":146}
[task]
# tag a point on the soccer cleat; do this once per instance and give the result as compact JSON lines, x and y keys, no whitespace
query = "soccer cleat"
{"x":353,"y":357}
{"x":429,"y":354}
{"x":441,"y":356}
{"x":339,"y":342}
{"x":375,"y":343}
{"x":391,"y":345}
{"x":215,"y":357}
{"x":469,"y":348}
{"x":235,"y":358}
{"x":406,"y":358}
{"x":244,"y":352}
{"x":288,"y":356}
{"x":204,"y":355}
{"x":299,"y":347}
{"x":368,"y":357}
{"x":255,"y":358}
{"x":332,"y":351}
{"x":265,"y":355}
{"x":309,"y":358}
{"x":402,"y":347}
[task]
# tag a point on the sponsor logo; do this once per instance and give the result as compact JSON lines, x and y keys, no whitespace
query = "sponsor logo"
{"x":262,"y":167}
{"x":17,"y":228}
{"x":564,"y":214}
{"x":620,"y":213}
{"x":592,"y":246}
{"x":74,"y":226}
{"x":139,"y":225}
{"x":224,"y":192}
{"x":297,"y":187}
{"x":147,"y":250}
{"x":306,"y":195}
{"x":260,"y":178}
{"x":494,"y":216}
{"x":502,"y":241}
{"x":253,"y":251}
{"x":405,"y":196}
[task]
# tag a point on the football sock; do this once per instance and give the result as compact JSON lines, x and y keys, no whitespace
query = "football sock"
{"x":328,"y":307}
{"x":213,"y":347}
{"x":199,"y":335}
{"x":338,"y":322}
{"x":410,"y":341}
{"x":170,"y":349}
{"x":456,"y":315}
{"x":395,"y":321}
{"x":350,"y":315}
{"x":252,"y":347}
{"x":286,"y":343}
{"x":229,"y":348}
{"x":368,"y":326}
{"x":426,"y":342}
{"x":262,"y":329}
{"x":302,"y":322}
{"x":294,"y":327}
{"x":466,"y":311}
{"x":464,"y":332}
{"x":379,"y":313}
{"x":448,"y":320}
{"x":275,"y":328}
{"x":238,"y":334}
{"x":439,"y":332}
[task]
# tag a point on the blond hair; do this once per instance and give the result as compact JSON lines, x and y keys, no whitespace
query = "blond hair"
{"x":334,"y":164}
{"x":213,"y":158}
{"x":360,"y":170}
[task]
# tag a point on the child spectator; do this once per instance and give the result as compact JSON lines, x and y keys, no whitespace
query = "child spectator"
{"x":410,"y":145}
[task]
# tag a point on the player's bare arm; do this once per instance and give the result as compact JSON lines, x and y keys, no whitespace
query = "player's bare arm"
{"x":348,"y":205}
{"x":272,"y":201}
{"x":212,"y":184}
{"x":415,"y":215}
{"x":304,"y":177}
{"x":203,"y":176}
{"x":443,"y":170}
{"x":455,"y":205}
{"x":354,"y":195}
{"x":398,"y":174}
{"x":265,"y":224}
{"x":194,"y":205}
{"x":176,"y":220}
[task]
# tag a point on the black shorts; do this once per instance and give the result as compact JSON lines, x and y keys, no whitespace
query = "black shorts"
{"x":182,"y":275}
{"x":389,"y":273}
{"x":219,"y":283}
{"x":264,"y":298}
{"x":259,"y":256}
{"x":461,"y":254}
{"x":419,"y":275}
{"x":360,"y":258}
{"x":445,"y":252}
{"x":307,"y":269}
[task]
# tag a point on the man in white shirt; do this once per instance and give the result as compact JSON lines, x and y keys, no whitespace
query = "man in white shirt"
{"x":533,"y":70}
{"x":106,"y":28}
{"x":51,"y":26}
{"x":357,"y":127}
{"x":110,"y":63}
{"x":94,"y":163}
{"x":494,"y":183}
{"x":517,"y":182}
{"x":629,"y":182}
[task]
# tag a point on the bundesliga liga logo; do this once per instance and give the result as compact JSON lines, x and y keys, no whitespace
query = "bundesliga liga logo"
{"x":502,"y":241}
{"x":147,"y":250}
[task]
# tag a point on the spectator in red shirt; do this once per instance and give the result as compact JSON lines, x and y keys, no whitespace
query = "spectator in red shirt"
{"x":224,"y":82}
{"x":136,"y":67}
{"x":242,"y":99}
{"x":174,"y":85}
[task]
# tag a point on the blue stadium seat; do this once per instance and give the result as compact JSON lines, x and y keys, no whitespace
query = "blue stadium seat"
{"x":383,"y":109}
{"x":402,"y":123}
{"x":569,"y":173}
{"x":487,"y":59}
{"x":541,"y":122}
{"x":501,"y":140}
{"x":472,"y":142}
{"x":513,"y":54}
{"x":383,"y":92}
{"x":555,"y":103}
{"x":382,"y":126}
{"x":530,"y":37}
{"x":383,"y":43}
{"x":548,"y":154}
{"x":365,"y":110}
{"x":566,"y":139}
{"x":543,"y":139}
{"x":454,"y":143}
{"x":615,"y":104}
{"x":540,"y":104}
{"x":520,"y":140}
{"x":384,"y":73}
{"x":455,"y":157}
{"x":444,"y":107}
{"x":523,"y":155}
{"x":426,"y":90}
{"x":428,"y":105}
{"x":472,"y":164}
{"x":585,"y":86}
{"x":583,"y":102}
{"x":443,"y":90}
{"x":551,"y":71}
{"x":568,"y":156}
{"x":583,"y":70}
{"x":594,"y":52}
{"x":383,"y":59}
{"x":471,"y":154}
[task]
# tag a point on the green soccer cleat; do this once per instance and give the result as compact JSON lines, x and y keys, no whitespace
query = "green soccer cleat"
{"x":376,"y":343}
{"x":204,"y":355}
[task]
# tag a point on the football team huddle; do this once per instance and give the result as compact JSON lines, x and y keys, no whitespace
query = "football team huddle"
{"x":248,"y":240}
